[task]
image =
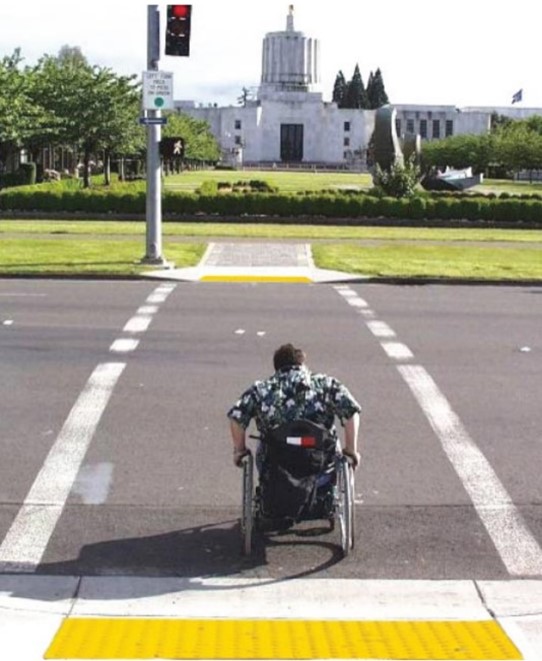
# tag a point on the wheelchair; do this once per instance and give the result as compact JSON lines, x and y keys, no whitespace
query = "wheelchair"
{"x":303,"y":476}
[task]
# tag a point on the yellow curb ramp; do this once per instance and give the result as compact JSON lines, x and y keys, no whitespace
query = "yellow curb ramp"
{"x":149,"y":638}
{"x":247,"y":277}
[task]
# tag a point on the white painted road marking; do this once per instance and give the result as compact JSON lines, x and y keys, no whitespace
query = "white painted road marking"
{"x":397,"y":350}
{"x":26,"y":540}
{"x":137,"y":324}
{"x":124,"y":345}
{"x":28,"y":536}
{"x":147,"y":309}
{"x":380,"y":329}
{"x":160,"y":294}
{"x":517,"y":547}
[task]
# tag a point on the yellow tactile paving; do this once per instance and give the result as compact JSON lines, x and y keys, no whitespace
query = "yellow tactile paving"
{"x":256,"y":278}
{"x":148,"y":638}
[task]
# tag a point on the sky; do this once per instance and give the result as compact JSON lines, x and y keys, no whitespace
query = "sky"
{"x":461,"y":52}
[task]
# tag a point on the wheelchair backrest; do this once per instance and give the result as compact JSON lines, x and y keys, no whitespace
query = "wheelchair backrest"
{"x":301,"y":433}
{"x":302,"y":446}
{"x":295,"y":454}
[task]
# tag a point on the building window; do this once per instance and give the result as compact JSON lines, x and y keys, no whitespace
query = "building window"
{"x":347,"y":126}
{"x":237,"y":139}
{"x":430,"y":114}
{"x":398,"y":126}
{"x":423,"y":128}
{"x":237,"y":124}
{"x":346,"y":142}
{"x":449,"y":127}
{"x":436,"y":128}
{"x":410,"y":126}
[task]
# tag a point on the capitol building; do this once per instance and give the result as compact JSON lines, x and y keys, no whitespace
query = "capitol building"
{"x":288,"y":121}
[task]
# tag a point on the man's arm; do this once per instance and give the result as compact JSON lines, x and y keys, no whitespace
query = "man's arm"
{"x":238,"y":435}
{"x":351,"y":430}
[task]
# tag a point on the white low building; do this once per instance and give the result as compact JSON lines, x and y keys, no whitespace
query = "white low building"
{"x":290,"y":123}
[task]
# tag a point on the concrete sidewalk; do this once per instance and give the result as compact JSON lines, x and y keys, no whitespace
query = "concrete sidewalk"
{"x":66,"y":617}
{"x":256,"y":262}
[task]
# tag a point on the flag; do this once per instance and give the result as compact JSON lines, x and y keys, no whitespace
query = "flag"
{"x":517,"y":96}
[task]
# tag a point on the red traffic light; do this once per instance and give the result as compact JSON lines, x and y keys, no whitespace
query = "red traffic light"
{"x":180,"y":11}
{"x":178,"y":30}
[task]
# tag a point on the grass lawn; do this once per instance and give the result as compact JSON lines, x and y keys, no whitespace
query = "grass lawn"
{"x":446,"y":261}
{"x":285,"y":181}
{"x":398,"y":252}
{"x":508,"y":186}
{"x":30,"y":256}
{"x":116,"y":247}
{"x":235,"y":229}
{"x":293,"y":181}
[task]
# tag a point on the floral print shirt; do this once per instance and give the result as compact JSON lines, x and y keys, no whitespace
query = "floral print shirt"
{"x":293,"y":393}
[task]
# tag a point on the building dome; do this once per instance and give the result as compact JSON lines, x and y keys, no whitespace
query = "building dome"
{"x":290,"y":61}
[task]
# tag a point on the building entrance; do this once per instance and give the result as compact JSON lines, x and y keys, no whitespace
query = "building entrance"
{"x":291,"y":143}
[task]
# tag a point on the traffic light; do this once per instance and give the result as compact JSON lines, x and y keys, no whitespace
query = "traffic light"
{"x":178,"y":30}
{"x":171,"y":148}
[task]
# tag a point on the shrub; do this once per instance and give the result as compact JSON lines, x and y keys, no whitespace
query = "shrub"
{"x":262,"y":186}
{"x":130,"y":199}
{"x":399,"y":181}
{"x":212,"y":187}
{"x":417,"y":208}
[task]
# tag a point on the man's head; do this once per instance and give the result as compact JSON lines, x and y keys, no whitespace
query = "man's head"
{"x":288,"y":356}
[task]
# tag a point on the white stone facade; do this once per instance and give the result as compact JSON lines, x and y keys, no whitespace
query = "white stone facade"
{"x":253,"y":133}
{"x":289,"y":122}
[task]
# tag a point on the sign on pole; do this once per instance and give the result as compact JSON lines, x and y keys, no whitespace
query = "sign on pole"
{"x":158,"y":90}
{"x":152,"y":121}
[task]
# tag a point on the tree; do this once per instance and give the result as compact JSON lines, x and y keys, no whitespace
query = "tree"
{"x":339,"y":90}
{"x":376,"y":92}
{"x":499,"y":121}
{"x":356,"y":95}
{"x":91,"y":108}
{"x":519,"y":147}
{"x":18,"y":112}
{"x":71,"y":55}
{"x":245,"y":97}
{"x":200,"y":143}
{"x":460,"y":151}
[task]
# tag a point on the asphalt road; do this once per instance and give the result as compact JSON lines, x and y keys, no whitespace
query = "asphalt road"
{"x":156,"y":492}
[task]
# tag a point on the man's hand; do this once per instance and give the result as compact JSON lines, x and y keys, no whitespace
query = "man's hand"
{"x":353,"y":456}
{"x":239,"y":455}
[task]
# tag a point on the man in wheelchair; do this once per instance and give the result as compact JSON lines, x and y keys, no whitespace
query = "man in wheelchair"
{"x":294,"y":411}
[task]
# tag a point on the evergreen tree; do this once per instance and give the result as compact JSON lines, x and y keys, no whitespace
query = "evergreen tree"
{"x":376,"y":92}
{"x":71,"y":55}
{"x":339,"y":90}
{"x":370,"y":85}
{"x":356,"y":95}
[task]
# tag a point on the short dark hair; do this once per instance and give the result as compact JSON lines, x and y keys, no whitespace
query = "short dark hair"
{"x":287,"y":356}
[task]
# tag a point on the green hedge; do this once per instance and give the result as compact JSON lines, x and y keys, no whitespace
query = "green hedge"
{"x":316,"y":207}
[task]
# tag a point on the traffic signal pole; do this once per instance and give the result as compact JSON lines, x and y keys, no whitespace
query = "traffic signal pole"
{"x":153,"y":253}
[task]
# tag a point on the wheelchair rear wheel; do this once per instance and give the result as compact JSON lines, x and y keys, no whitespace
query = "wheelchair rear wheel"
{"x":247,"y":516}
{"x":345,"y":505}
